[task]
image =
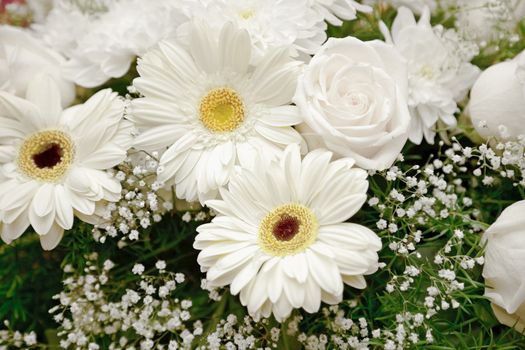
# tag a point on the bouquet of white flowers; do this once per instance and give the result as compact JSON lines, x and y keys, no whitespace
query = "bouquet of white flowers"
{"x":262,"y":174}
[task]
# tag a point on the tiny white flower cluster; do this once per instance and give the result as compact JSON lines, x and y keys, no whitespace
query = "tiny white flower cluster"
{"x":232,"y":334}
{"x":484,"y":20}
{"x":429,"y":200}
{"x":346,"y":333}
{"x":143,"y":201}
{"x":494,"y":159}
{"x":12,"y":339}
{"x":197,"y":216}
{"x":147,"y":315}
{"x":214,"y":293}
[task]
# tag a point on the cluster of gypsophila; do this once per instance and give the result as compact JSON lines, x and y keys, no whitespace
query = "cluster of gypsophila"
{"x":345,"y":333}
{"x":12,"y":339}
{"x":495,"y":159}
{"x":232,"y":333}
{"x":497,"y":15}
{"x":339,"y":331}
{"x":97,"y":311}
{"x":425,"y":218}
{"x":144,"y":200}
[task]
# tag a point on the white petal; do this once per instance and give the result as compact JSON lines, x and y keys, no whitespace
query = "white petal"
{"x":358,"y":282}
{"x":64,"y":210}
{"x":235,"y":48}
{"x":42,"y":224}
{"x":12,"y":231}
{"x":325,"y":272}
{"x":43,"y":91}
{"x":50,"y":240}
{"x":43,"y":200}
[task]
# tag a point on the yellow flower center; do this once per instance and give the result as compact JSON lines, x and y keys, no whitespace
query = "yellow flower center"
{"x":247,"y":14}
{"x":46,"y":155}
{"x":287,"y":230}
{"x":221,"y":110}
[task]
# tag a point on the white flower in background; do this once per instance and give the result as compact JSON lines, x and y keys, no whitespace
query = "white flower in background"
{"x":102,"y":38}
{"x":24,"y":12}
{"x":290,"y":24}
{"x":280,"y":239}
{"x":352,"y":96}
{"x":417,"y":6}
{"x":497,"y":100}
{"x":439,"y":72}
{"x":504,"y":266}
{"x":23,"y":57}
{"x":39,"y":9}
{"x":333,"y":11}
{"x":54,"y":160}
{"x":212,"y":108}
{"x":486,"y":20}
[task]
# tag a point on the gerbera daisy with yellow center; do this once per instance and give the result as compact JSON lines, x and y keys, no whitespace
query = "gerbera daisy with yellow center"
{"x":212,"y":109}
{"x":280,"y":238}
{"x":53,"y":161}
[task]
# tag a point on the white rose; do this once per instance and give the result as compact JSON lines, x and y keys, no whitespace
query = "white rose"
{"x":504,"y":266}
{"x":497,"y":100}
{"x":23,"y":57}
{"x":353,"y":97}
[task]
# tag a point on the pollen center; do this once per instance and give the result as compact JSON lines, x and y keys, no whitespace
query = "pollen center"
{"x":287,"y":230}
{"x":46,"y":155}
{"x":247,"y":14}
{"x":221,"y":110}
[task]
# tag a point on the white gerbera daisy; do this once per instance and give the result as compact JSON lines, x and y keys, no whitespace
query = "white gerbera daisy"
{"x":291,"y":24}
{"x":101,"y":38}
{"x":54,"y":160}
{"x":212,"y":108}
{"x":280,"y":239}
{"x":335,"y":10}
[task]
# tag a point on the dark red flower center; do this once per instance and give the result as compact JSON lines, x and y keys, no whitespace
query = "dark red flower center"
{"x":286,"y":228}
{"x":48,"y":158}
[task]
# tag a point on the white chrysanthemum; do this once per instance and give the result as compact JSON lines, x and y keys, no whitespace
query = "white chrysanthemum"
{"x":39,"y":9}
{"x":212,"y":108}
{"x":280,"y":239}
{"x":271,"y":23}
{"x":101,"y":38}
{"x":417,"y":6}
{"x":333,"y":11}
{"x":54,"y":160}
{"x":22,"y":57}
{"x":439,"y":72}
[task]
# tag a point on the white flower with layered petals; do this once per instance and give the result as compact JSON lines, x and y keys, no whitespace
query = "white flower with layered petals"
{"x":333,"y":11}
{"x":504,"y":265}
{"x":212,"y":108}
{"x":352,"y":96}
{"x":54,"y":160}
{"x":291,"y":24}
{"x":22,"y":57}
{"x":102,"y":38}
{"x":417,"y":6}
{"x":280,"y":239}
{"x":439,"y":73}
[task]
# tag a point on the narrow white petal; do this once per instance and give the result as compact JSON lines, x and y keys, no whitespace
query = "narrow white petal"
{"x":50,"y":240}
